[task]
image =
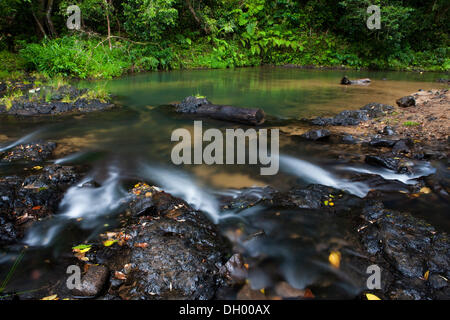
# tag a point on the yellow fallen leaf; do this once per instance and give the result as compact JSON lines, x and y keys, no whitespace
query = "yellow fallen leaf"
{"x":52,"y":297}
{"x":335,"y":259}
{"x":109,"y":242}
{"x":262,"y":291}
{"x":85,"y":250}
{"x":425,"y":190}
{"x":370,"y":296}
{"x":37,"y":168}
{"x":426,"y":275}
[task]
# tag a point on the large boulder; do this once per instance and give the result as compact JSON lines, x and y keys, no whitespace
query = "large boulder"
{"x":171,"y":250}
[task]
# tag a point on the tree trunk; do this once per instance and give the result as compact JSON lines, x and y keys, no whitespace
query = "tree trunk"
{"x":108,"y":23}
{"x":191,"y":8}
{"x":230,"y":113}
{"x":48,"y":15}
{"x":38,"y":23}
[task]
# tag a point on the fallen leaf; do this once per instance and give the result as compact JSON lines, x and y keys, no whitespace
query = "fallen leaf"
{"x":120,"y":275}
{"x":52,"y":297}
{"x":426,"y":275}
{"x":37,"y":168}
{"x":109,"y":242}
{"x":370,"y":296}
{"x":141,"y":245}
{"x":335,"y":259}
{"x":36,"y":208}
{"x":425,"y":190}
{"x":81,"y":247}
{"x":308,"y":293}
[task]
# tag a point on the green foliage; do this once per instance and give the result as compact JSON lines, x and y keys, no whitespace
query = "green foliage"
{"x":148,"y":19}
{"x":411,"y":124}
{"x":7,"y":100}
{"x":167,"y":34}
{"x":91,"y":58}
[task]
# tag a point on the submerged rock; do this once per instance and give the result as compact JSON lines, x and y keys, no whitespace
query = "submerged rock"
{"x":316,"y":134}
{"x":349,"y":139}
{"x":346,"y":81}
{"x":235,"y":270}
{"x":380,"y":142}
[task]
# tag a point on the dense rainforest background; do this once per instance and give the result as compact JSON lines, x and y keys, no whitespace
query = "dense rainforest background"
{"x":117,"y":37}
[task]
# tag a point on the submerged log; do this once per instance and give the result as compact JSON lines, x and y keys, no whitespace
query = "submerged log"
{"x":203,"y":108}
{"x":347,"y":81}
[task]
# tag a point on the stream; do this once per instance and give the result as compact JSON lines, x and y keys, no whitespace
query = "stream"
{"x":132,"y":143}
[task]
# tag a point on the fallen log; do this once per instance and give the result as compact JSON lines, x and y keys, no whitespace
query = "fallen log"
{"x":347,"y":81}
{"x":203,"y":108}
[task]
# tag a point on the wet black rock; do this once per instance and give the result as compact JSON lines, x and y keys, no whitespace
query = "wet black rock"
{"x":354,"y":117}
{"x":387,"y":162}
{"x":407,"y":101}
{"x":173,"y":251}
{"x":402,"y":146}
{"x":311,"y":197}
{"x":411,"y":246}
{"x":246,"y":197}
{"x":389,"y":131}
{"x":33,"y":108}
{"x":234,"y":270}
{"x":381,"y":142}
{"x":65,"y":99}
{"x":191,"y":103}
{"x":8,"y":186}
{"x":44,"y":190}
{"x":345,"y":118}
{"x":34,"y":152}
{"x":376,"y":110}
{"x":315,"y":135}
{"x":93,"y":281}
{"x":24,"y":200}
{"x":8,"y":232}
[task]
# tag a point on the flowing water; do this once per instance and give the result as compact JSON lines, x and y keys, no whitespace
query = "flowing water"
{"x":133,"y":143}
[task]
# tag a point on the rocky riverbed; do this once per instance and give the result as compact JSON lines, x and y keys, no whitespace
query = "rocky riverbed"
{"x":164,"y":248}
{"x":34,"y":98}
